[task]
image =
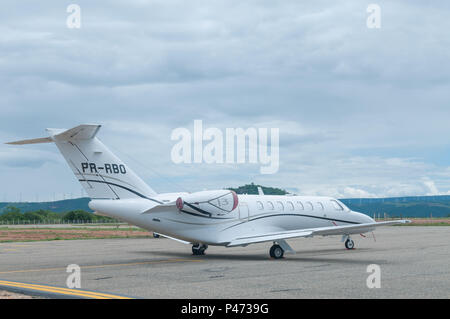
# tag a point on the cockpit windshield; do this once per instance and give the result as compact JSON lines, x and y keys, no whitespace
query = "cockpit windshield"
{"x":338,"y":205}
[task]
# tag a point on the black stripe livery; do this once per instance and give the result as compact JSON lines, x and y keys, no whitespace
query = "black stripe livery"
{"x":120,"y":186}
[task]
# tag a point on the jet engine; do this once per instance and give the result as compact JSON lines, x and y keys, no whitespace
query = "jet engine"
{"x":208,"y":203}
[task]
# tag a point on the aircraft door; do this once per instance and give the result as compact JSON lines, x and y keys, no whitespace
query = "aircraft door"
{"x":243,"y":211}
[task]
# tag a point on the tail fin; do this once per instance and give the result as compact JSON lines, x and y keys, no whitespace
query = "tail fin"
{"x":100,"y":172}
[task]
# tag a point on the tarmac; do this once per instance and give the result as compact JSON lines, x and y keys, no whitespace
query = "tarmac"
{"x":414,"y":262}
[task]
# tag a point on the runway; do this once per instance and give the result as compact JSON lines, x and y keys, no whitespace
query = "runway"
{"x":414,"y":263}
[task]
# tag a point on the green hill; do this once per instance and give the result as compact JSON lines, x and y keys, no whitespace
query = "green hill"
{"x":252,"y":189}
{"x":420,"y":206}
{"x":413,"y":206}
{"x":58,"y":206}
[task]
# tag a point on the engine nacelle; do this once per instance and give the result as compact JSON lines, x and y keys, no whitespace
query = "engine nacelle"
{"x":208,"y":203}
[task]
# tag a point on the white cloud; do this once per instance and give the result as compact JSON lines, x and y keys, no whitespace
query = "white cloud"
{"x":361,"y":112}
{"x":432,"y":189}
{"x":350,"y":192}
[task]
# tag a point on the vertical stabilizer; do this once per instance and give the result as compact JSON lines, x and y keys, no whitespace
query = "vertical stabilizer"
{"x":102,"y":174}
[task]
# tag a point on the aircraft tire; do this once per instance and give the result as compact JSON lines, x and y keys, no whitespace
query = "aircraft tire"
{"x":349,"y":244}
{"x":199,"y":249}
{"x":276,"y":252}
{"x":196,"y":249}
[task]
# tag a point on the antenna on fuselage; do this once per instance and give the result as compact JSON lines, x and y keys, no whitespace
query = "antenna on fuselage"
{"x":260,"y":191}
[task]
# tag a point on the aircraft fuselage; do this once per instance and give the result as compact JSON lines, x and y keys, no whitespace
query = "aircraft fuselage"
{"x":254,"y":214}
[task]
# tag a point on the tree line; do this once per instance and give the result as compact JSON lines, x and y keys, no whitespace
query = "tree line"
{"x":12,"y":213}
{"x":252,"y":189}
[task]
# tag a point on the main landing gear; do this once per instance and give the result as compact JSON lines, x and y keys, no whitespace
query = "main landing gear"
{"x":199,"y":249}
{"x":276,"y":252}
{"x":279,"y":248}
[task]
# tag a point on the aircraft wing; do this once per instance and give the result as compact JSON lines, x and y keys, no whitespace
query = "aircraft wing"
{"x":176,"y":239}
{"x":321,"y":231}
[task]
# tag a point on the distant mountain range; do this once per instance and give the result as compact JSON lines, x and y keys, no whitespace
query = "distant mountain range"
{"x":59,"y":206}
{"x":420,"y":206}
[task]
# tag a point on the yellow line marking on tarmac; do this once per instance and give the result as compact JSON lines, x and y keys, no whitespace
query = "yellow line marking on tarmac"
{"x":59,"y":290}
{"x":104,"y":266}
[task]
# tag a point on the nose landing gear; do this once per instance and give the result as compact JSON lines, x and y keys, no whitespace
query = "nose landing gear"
{"x":349,"y":243}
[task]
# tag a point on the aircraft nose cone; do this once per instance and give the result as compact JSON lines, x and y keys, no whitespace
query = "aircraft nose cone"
{"x":363,"y":218}
{"x":368,"y":219}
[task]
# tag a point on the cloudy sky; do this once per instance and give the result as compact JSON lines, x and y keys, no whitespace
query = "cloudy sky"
{"x":362,"y":112}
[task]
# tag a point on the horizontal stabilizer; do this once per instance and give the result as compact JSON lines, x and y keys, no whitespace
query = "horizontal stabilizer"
{"x":32,"y":141}
{"x":80,"y":132}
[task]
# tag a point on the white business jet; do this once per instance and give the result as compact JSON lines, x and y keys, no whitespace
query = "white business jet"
{"x":218,"y":217}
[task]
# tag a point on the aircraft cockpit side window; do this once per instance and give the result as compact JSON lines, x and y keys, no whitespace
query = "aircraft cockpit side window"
{"x":260,"y":205}
{"x":300,"y":205}
{"x":309,"y":206}
{"x":320,"y":205}
{"x":336,"y":205}
{"x":270,"y":205}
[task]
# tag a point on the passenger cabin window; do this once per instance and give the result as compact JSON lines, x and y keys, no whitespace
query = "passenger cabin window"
{"x":309,"y":206}
{"x":320,"y":205}
{"x":270,"y":205}
{"x":260,"y":205}
{"x":280,"y":206}
{"x":337,"y":206}
{"x":290,"y":205}
{"x":300,"y":206}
